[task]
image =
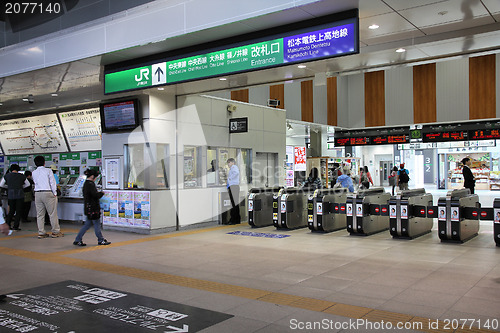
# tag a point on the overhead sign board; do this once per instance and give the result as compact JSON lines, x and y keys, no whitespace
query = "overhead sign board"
{"x":317,"y":41}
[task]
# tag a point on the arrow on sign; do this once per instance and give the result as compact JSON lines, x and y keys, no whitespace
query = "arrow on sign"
{"x":184,"y":329}
{"x":159,"y":72}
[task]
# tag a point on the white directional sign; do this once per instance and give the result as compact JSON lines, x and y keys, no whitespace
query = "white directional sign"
{"x":159,"y":74}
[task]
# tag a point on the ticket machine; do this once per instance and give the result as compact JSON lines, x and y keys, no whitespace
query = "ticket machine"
{"x":407,"y":214}
{"x":290,"y":208}
{"x":452,"y":225}
{"x":359,"y":219}
{"x":323,"y":209}
{"x":260,"y":206}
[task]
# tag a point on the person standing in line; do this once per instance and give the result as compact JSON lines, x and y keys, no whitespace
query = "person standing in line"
{"x":345,"y":179}
{"x":469,"y":180}
{"x":28,"y":196}
{"x":392,"y":178}
{"x":15,"y":182}
{"x":313,"y":181}
{"x":45,"y":198}
{"x":233,"y":187}
{"x":92,"y":209}
{"x":403,"y":177}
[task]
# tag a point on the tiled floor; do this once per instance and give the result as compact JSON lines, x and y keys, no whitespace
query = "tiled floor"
{"x":275,"y":284}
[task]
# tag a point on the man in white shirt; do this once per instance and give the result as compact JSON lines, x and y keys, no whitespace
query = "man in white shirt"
{"x":233,"y":187}
{"x":45,"y":198}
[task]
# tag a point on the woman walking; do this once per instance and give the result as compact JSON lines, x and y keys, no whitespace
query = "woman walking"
{"x":92,"y":210}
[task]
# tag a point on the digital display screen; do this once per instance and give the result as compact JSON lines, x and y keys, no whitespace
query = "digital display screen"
{"x":322,"y":41}
{"x":445,"y":136}
{"x":119,"y":116}
{"x":484,"y":134}
{"x":372,"y":140}
{"x":72,"y":180}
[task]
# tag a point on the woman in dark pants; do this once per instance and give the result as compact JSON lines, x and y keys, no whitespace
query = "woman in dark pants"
{"x":92,"y":210}
{"x":469,"y":181}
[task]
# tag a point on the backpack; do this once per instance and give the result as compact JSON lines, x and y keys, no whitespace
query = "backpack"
{"x":365,"y":182}
{"x":403,"y":176}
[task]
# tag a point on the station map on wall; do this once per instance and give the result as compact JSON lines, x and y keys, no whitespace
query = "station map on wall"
{"x":83,"y":129}
{"x":33,"y":135}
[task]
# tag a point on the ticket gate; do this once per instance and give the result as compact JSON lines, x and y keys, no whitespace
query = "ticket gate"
{"x":260,"y":206}
{"x":323,"y":209}
{"x":407,"y":214}
{"x":496,"y":221}
{"x":453,"y":225}
{"x":290,"y":208}
{"x":360,"y":221}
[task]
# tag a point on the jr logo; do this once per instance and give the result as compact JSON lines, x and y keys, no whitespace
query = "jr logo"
{"x":144,"y":72}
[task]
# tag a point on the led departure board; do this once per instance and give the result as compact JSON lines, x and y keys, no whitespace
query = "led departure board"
{"x":484,"y":134}
{"x":372,"y":137}
{"x":445,"y":136}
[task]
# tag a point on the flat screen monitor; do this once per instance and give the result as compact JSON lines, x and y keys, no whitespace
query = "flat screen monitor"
{"x":119,"y":115}
{"x":72,"y":180}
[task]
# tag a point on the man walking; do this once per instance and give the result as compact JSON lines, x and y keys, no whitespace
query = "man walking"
{"x":233,"y":187}
{"x":45,"y":198}
{"x":15,"y":182}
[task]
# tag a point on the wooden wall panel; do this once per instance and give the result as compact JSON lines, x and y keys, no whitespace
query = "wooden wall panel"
{"x":240,"y":95}
{"x":424,"y":93}
{"x":306,"y":97}
{"x":374,"y":99}
{"x":331,"y":101}
{"x":278,"y":92}
{"x":482,"y":90}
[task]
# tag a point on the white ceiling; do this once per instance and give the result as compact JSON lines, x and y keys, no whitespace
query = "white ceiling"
{"x":429,"y":30}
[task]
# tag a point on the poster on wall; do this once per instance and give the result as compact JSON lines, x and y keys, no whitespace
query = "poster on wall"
{"x":300,"y":158}
{"x":112,"y":173}
{"x":83,"y":129}
{"x":125,"y":208}
{"x":109,"y":205}
{"x":33,"y":135}
{"x":142,"y":209}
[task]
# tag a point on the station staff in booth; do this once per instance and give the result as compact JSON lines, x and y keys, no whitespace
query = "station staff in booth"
{"x":469,"y":180}
{"x":45,"y":198}
{"x":233,"y":187}
{"x":15,"y":183}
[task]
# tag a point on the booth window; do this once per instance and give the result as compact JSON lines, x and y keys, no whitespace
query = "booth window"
{"x":146,"y":166}
{"x":218,"y":169}
{"x":192,"y":167}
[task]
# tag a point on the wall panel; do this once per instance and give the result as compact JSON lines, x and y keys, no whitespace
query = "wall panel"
{"x":482,"y":99}
{"x":258,"y":95}
{"x":240,"y":95}
{"x":374,"y":99}
{"x":399,"y":96}
{"x":306,"y":100}
{"x":292,"y":100}
{"x":497,"y":81}
{"x":452,"y":90}
{"x":424,"y":93}
{"x":331,"y":101}
{"x":278,"y":92}
{"x":319,"y":104}
{"x":356,"y":100}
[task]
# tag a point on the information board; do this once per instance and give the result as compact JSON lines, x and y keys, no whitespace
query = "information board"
{"x":317,"y":41}
{"x":33,"y":135}
{"x":72,"y":306}
{"x":83,"y":129}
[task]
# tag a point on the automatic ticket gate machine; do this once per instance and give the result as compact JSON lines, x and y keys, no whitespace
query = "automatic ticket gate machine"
{"x":364,"y":214}
{"x":407,"y":214}
{"x":496,"y":221}
{"x":453,"y":223}
{"x":290,"y":208}
{"x":326,"y":209}
{"x":260,"y":206}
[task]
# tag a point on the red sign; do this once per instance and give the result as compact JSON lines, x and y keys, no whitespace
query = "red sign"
{"x":430,"y":212}
{"x":384,"y":210}
{"x":474,"y":213}
{"x":377,"y":210}
{"x":422,"y":212}
{"x":300,"y":158}
{"x":483,"y":214}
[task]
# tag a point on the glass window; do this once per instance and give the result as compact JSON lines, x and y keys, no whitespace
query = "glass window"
{"x":162,"y":166}
{"x":146,"y":166}
{"x":134,"y":166}
{"x":192,"y":166}
{"x":212,"y":172}
{"x":245,"y":165}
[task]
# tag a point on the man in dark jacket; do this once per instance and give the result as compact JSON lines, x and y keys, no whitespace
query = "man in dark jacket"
{"x":15,"y":182}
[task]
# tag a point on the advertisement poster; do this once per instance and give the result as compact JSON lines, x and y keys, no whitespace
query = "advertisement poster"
{"x":300,"y":158}
{"x":125,"y":205}
{"x":349,"y":209}
{"x":109,"y":205}
{"x":442,"y":213}
{"x":496,"y":217}
{"x":455,"y":216}
{"x":112,"y":173}
{"x":404,"y":212}
{"x":359,"y":210}
{"x":141,"y":209}
{"x":392,"y":213}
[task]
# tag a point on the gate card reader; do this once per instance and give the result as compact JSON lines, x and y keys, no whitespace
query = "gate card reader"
{"x":407,"y":214}
{"x":290,"y":208}
{"x":453,"y":226}
{"x":260,"y":206}
{"x":323,"y":209}
{"x":359,"y":219}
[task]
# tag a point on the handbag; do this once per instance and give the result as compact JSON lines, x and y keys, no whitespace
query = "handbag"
{"x":91,"y":212}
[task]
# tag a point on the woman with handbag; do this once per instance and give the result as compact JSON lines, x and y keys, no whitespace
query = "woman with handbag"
{"x":92,"y":209}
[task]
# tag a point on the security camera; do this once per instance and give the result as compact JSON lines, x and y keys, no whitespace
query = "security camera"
{"x":231,"y":108}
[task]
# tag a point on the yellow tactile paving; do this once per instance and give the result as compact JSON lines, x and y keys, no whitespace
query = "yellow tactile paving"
{"x":345,"y":310}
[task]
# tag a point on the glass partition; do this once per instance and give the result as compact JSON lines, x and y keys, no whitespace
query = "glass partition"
{"x":134,"y":166}
{"x":218,"y":169}
{"x":192,"y":167}
{"x":146,"y":166}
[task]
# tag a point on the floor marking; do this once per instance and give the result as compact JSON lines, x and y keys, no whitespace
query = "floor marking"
{"x":344,"y":310}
